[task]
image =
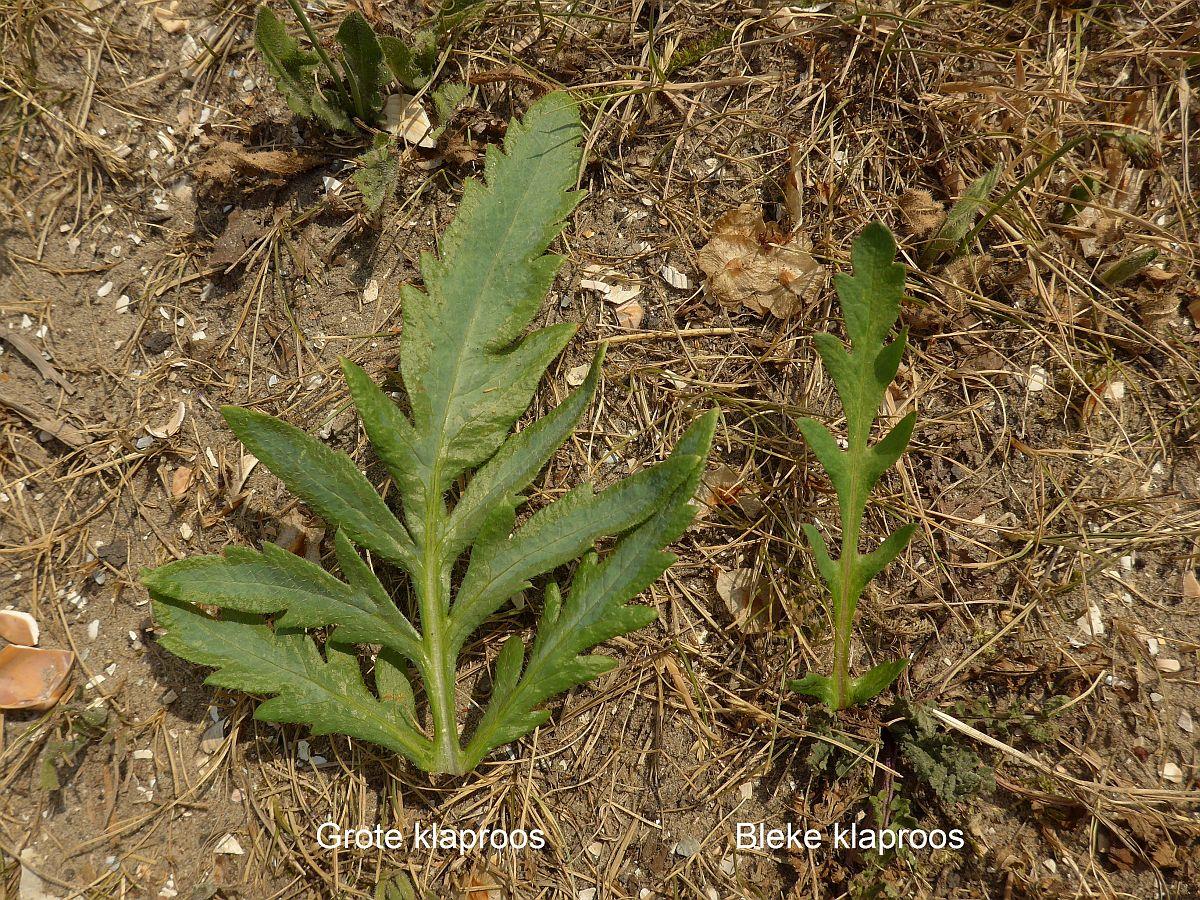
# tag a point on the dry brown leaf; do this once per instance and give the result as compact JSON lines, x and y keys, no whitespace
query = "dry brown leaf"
{"x":610,"y":284}
{"x":18,"y":627}
{"x":227,"y":164}
{"x":576,"y":375}
{"x":921,"y":213}
{"x":167,"y":18}
{"x":296,"y":536}
{"x":171,"y":426}
{"x":245,"y":466}
{"x":751,"y":264}
{"x":720,"y":487}
{"x":32,"y":678}
{"x":745,"y":598}
{"x":1193,"y":309}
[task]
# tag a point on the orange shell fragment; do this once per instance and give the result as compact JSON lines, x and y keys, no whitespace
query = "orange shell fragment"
{"x":32,"y":678}
{"x":18,"y":627}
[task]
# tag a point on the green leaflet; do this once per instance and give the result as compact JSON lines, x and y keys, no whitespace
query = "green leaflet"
{"x":377,"y":173}
{"x":469,"y":369}
{"x":594,"y":609}
{"x":402,"y":63}
{"x":870,"y":300}
{"x":291,"y":67}
{"x":327,"y":693}
{"x":961,"y":217}
{"x":362,"y":61}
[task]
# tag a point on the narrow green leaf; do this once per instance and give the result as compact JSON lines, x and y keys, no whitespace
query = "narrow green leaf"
{"x":250,"y":656}
{"x":400,"y":62}
{"x":291,"y":67}
{"x":871,"y":564}
{"x":1126,"y":267}
{"x":594,"y":609}
{"x":363,"y":61}
{"x":501,"y":566}
{"x":961,"y":217}
{"x":277,"y":581}
{"x":518,"y":461}
{"x":457,"y":358}
{"x":824,"y":446}
{"x":870,"y":300}
{"x":885,"y":453}
{"x":825,"y":564}
{"x":325,"y":480}
{"x":390,"y":432}
{"x":876,"y":681}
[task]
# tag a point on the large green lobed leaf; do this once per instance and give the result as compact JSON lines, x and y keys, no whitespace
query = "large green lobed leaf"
{"x":469,"y":371}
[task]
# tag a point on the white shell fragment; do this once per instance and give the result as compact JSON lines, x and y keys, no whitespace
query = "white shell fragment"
{"x":675,"y":278}
{"x":229,"y":845}
{"x":403,"y":115}
{"x":172,"y":425}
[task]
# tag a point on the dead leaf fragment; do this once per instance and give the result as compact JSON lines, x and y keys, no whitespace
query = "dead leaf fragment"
{"x":18,"y":627}
{"x":33,"y":356}
{"x":719,"y":487}
{"x":404,"y":115}
{"x":32,"y":678}
{"x":32,"y":887}
{"x":792,"y":19}
{"x":181,"y":480}
{"x":921,"y":213}
{"x":675,"y":278}
{"x":230,"y":846}
{"x":167,"y":17}
{"x":1194,"y":311}
{"x":227,"y":164}
{"x":745,"y":598}
{"x":245,"y":466}
{"x":577,"y":374}
{"x":614,"y":287}
{"x":751,"y":264}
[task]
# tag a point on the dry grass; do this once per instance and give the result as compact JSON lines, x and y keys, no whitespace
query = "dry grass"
{"x":1034,"y":505}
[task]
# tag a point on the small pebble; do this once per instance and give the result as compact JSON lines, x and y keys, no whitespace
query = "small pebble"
{"x":687,"y":848}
